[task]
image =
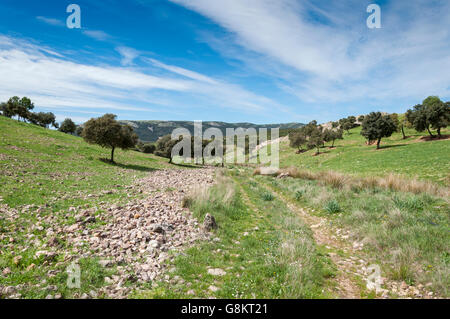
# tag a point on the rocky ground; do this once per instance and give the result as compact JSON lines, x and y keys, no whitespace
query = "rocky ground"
{"x":136,"y":237}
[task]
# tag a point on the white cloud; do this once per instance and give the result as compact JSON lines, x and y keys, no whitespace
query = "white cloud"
{"x":128,"y":55}
{"x":323,"y":51}
{"x":54,"y":82}
{"x":97,"y":35}
{"x":182,"y":71}
{"x":51,"y":21}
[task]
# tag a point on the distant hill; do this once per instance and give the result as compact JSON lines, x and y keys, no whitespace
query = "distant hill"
{"x":150,"y":131}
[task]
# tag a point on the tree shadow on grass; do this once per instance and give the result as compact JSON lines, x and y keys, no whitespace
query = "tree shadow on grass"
{"x":129,"y":166}
{"x":391,"y":146}
{"x":186,"y":165}
{"x":435,"y":138}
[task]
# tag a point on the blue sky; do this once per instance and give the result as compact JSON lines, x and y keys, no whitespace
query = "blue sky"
{"x":256,"y":61}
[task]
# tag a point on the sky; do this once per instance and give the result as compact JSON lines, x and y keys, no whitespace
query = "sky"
{"x":259,"y":61}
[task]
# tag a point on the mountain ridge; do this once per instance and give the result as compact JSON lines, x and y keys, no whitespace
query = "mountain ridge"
{"x":151,"y":130}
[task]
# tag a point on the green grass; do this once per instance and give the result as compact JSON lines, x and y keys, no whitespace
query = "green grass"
{"x":406,"y":234}
{"x":41,"y":166}
{"x":410,"y":157}
{"x":265,"y":250}
{"x":42,"y":174}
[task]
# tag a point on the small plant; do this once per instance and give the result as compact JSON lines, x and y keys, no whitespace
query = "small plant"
{"x":299,"y":194}
{"x":332,"y":207}
{"x":410,"y":203}
{"x":187,"y":202}
{"x":268,"y":197}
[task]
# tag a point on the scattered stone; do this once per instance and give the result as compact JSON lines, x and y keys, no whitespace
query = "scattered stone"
{"x":105,"y":263}
{"x":209,"y":222}
{"x":17,"y":260}
{"x":158,"y":229}
{"x":213,"y":288}
{"x":268,"y":171}
{"x":216,"y":272}
{"x":90,"y":219}
{"x":154,"y":244}
{"x":31,"y":267}
{"x":136,"y":236}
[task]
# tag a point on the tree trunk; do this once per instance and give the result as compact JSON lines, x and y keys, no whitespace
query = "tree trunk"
{"x":378,"y":143}
{"x":112,"y":154}
{"x":429,"y":132}
{"x":170,"y":161}
{"x":403,"y":132}
{"x":439,"y":132}
{"x":332,"y":145}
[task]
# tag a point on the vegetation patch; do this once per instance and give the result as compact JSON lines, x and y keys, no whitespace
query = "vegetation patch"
{"x":405,"y":233}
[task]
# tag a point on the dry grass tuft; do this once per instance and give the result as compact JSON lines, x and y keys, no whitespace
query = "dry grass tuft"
{"x":414,"y":185}
{"x":393,"y":182}
{"x":334,"y":179}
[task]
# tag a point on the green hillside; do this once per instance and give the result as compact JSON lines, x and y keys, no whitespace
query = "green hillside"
{"x":45,"y":165}
{"x":150,"y":131}
{"x":412,"y":157}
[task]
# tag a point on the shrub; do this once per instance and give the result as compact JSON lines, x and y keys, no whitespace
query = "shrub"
{"x":187,"y":202}
{"x":299,"y":194}
{"x":409,"y":203}
{"x":268,"y":197}
{"x":148,"y":148}
{"x":334,"y":179}
{"x":332,"y":207}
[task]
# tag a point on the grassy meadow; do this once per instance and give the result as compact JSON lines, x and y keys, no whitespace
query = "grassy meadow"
{"x":263,"y":246}
{"x":45,"y":167}
{"x":410,"y":157}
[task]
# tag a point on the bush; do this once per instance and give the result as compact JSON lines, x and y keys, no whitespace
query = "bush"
{"x":332,"y":207}
{"x":299,"y":194}
{"x":187,"y":202}
{"x":268,"y":197}
{"x":148,"y":148}
{"x":410,"y":203}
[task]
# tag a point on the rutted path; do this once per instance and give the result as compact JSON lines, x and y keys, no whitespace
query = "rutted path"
{"x":353,"y":268}
{"x":346,"y":286}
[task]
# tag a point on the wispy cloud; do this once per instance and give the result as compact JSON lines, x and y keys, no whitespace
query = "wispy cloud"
{"x":323,"y":52}
{"x":51,"y":21}
{"x":55,"y":82}
{"x":181,"y":71}
{"x":97,"y":35}
{"x":128,"y":55}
